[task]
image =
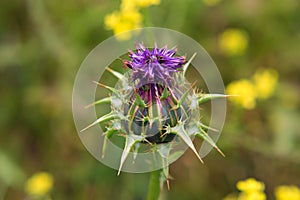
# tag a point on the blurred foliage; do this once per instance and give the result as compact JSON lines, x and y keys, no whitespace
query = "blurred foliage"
{"x":42,"y":44}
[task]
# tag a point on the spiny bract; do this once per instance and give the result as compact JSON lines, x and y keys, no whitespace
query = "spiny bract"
{"x":153,"y":103}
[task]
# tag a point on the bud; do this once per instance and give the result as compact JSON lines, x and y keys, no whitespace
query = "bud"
{"x":153,"y":103}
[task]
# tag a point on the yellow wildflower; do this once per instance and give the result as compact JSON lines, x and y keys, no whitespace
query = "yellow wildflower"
{"x":211,"y":2}
{"x":252,"y":196}
{"x":146,"y":3}
{"x":245,"y":92}
{"x":127,"y":5}
{"x":123,"y":21}
{"x":233,"y":41}
{"x":136,"y":4}
{"x":265,"y":82}
{"x":39,"y":184}
{"x":133,"y":16}
{"x":128,"y":18}
{"x":112,"y":20}
{"x":285,"y":192}
{"x":251,"y":189}
{"x":250,"y":185}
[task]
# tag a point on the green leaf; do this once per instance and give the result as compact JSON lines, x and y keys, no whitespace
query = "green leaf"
{"x":104,"y":118}
{"x":110,"y":131}
{"x":104,"y":146}
{"x":203,"y":135}
{"x":10,"y":173}
{"x":165,"y":94}
{"x":185,"y":67}
{"x":202,"y":98}
{"x":129,"y":143}
{"x":115,"y":73}
{"x":139,"y":101}
{"x":113,"y":90}
{"x":182,"y":99}
{"x":180,"y":131}
{"x":206,"y":127}
{"x":104,"y":100}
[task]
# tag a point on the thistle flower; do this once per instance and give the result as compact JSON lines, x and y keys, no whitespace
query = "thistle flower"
{"x":152,"y":104}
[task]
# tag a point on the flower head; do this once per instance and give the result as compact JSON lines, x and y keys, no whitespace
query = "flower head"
{"x":128,"y":17}
{"x":261,"y":86}
{"x":233,"y":41}
{"x":39,"y":184}
{"x":145,"y":3}
{"x":152,"y":77}
{"x":252,"y":196}
{"x":153,"y":103}
{"x":244,"y":91}
{"x":154,"y":66}
{"x":265,"y":82}
{"x":250,"y":185}
{"x":123,"y":21}
{"x":287,"y":192}
{"x":251,"y":189}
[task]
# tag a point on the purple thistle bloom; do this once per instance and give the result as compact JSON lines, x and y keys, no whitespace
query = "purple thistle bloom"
{"x":153,"y":76}
{"x":154,"y":66}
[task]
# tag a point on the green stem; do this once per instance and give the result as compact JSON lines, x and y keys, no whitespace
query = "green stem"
{"x":154,"y":185}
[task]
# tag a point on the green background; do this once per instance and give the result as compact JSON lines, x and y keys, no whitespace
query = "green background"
{"x":42,"y":44}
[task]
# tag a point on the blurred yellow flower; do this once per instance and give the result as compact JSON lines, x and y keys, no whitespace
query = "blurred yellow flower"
{"x":244,"y":91}
{"x":233,"y":41}
{"x":111,"y":20}
{"x":211,"y":2}
{"x":261,"y":86}
{"x":250,"y":185}
{"x":128,"y":18}
{"x":146,"y":3}
{"x":123,"y":21}
{"x":39,"y":184}
{"x":136,"y":4}
{"x":252,"y":189}
{"x":252,"y":196}
{"x":265,"y":82}
{"x":127,"y":5}
{"x":285,"y":192}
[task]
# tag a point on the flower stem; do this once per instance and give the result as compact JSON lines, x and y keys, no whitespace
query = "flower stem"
{"x":154,"y":185}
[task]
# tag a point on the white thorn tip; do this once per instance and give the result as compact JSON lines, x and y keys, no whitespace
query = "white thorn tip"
{"x":115,"y":73}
